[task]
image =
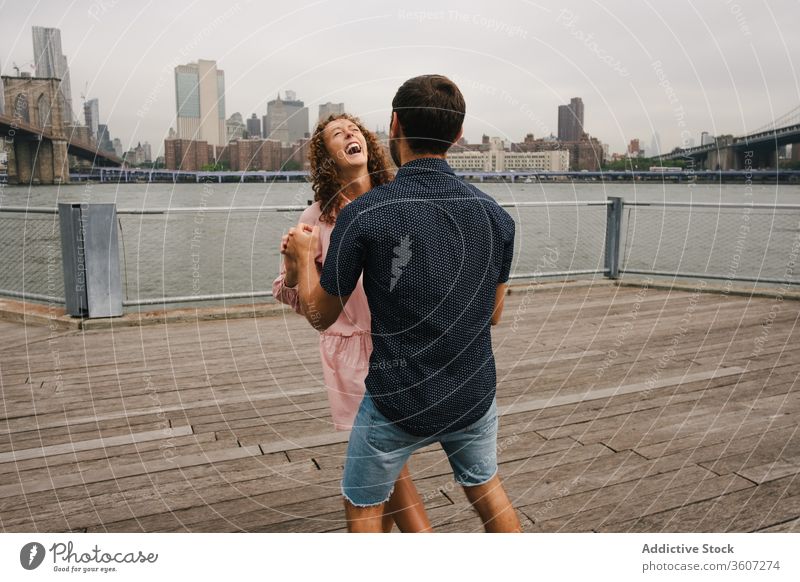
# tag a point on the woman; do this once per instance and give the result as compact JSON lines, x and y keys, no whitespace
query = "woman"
{"x":346,"y":161}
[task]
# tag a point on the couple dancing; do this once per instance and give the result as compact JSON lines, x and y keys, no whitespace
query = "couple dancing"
{"x":404,"y":278}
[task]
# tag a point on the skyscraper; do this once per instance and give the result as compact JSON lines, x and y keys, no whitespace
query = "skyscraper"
{"x":91,"y":114}
{"x":286,"y":120}
{"x":103,"y":139}
{"x":234,"y":127}
{"x":328,"y":109}
{"x":254,"y":127}
{"x":570,"y":120}
{"x":200,"y":102}
{"x":51,"y":62}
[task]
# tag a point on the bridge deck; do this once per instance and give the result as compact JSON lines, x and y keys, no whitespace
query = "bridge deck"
{"x":623,"y":410}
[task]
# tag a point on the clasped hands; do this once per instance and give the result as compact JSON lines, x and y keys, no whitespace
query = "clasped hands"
{"x":299,"y":247}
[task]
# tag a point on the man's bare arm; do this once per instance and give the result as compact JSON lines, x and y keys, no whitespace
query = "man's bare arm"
{"x":499,"y":302}
{"x":320,"y":308}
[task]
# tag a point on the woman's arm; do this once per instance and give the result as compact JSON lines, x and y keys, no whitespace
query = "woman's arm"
{"x":285,"y":290}
{"x":285,"y":293}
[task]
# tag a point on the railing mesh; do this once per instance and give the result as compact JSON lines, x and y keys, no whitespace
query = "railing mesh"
{"x":728,"y":242}
{"x":30,"y":255}
{"x":558,"y":238}
{"x":193,"y":254}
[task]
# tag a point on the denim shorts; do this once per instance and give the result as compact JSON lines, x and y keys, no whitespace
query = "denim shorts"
{"x":378,"y":450}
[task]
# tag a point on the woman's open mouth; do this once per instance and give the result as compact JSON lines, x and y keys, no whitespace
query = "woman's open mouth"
{"x":353,"y":149}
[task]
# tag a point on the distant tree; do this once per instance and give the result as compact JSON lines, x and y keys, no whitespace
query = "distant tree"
{"x":291,"y":166}
{"x":217,"y":167}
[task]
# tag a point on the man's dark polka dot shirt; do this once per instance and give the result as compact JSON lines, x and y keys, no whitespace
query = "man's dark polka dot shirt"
{"x":433,"y":249}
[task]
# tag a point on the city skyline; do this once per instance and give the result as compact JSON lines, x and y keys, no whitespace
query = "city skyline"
{"x":639,"y":69}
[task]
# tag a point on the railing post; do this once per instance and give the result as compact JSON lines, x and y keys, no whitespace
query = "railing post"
{"x":90,"y":259}
{"x":613,"y":234}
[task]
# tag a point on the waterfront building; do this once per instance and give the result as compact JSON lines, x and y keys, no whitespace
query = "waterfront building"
{"x":254,"y":127}
{"x":496,"y":158}
{"x":187,"y":154}
{"x":103,"y":139}
{"x":286,"y":120}
{"x":91,"y":115}
{"x":234,"y":127}
{"x":252,"y":155}
{"x":570,"y":120}
{"x":200,"y":102}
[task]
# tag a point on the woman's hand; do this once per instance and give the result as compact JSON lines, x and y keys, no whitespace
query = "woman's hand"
{"x":290,"y":278}
{"x":298,"y":246}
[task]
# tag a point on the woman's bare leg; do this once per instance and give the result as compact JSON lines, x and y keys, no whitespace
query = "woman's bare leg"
{"x":492,"y":503}
{"x":405,"y":507}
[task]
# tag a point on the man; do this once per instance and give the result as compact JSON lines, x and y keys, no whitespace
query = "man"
{"x":436,"y":256}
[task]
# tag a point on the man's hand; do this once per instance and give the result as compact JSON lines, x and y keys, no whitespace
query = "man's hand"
{"x":299,"y":247}
{"x":300,"y":244}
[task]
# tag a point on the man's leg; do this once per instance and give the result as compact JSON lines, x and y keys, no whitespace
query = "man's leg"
{"x":405,"y":507}
{"x":472,"y":452}
{"x":363,"y":519}
{"x":376,"y":454}
{"x":493,"y":505}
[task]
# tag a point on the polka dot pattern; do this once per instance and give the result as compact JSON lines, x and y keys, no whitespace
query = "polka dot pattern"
{"x":433,"y":249}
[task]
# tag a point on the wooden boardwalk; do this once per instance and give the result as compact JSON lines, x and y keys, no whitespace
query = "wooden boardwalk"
{"x":623,"y":409}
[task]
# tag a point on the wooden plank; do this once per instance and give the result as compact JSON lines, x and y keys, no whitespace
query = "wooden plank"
{"x":790,"y":525}
{"x":148,"y":467}
{"x":770,"y":471}
{"x":638,"y":505}
{"x":741,"y":511}
{"x":100,"y":443}
{"x":598,"y":394}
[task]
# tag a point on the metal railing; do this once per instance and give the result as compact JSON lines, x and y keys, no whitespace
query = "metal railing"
{"x":242,"y":224}
{"x":742,"y":242}
{"x":185,"y":255}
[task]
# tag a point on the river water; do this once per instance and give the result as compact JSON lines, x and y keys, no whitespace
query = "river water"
{"x":203,"y":252}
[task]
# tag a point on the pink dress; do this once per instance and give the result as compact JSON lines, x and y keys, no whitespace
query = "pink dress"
{"x":345,"y":347}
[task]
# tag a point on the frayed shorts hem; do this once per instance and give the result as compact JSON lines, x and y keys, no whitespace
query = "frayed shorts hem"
{"x":496,"y":471}
{"x":354,"y":504}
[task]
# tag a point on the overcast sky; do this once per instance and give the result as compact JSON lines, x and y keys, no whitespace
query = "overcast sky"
{"x":713,"y":65}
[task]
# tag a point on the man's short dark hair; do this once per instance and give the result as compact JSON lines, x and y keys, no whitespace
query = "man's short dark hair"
{"x":430,"y":109}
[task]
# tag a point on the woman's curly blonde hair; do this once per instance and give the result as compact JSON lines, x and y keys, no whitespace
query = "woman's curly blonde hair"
{"x":325,"y":179}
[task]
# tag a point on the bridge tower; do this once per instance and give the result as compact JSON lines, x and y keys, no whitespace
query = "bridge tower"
{"x":723,"y":157}
{"x":36,"y":103}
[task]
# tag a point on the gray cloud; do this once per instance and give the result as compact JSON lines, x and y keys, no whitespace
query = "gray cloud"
{"x":729,"y":65}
